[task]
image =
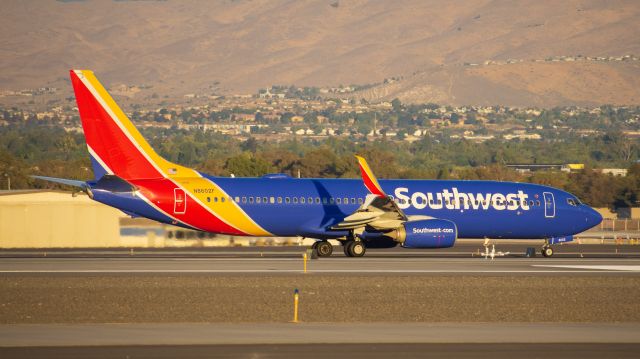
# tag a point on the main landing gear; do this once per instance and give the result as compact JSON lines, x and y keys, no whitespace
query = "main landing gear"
{"x":322,"y":248}
{"x":351,"y":248}
{"x":354,"y":249}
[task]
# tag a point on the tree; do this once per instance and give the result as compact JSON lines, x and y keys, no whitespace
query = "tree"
{"x":250,"y":145}
{"x":247,"y":165}
{"x":396,"y":104}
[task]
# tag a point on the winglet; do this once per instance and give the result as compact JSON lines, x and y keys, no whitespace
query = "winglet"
{"x":369,"y":178}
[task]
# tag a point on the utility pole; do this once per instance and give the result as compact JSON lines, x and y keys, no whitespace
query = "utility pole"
{"x":375,"y":120}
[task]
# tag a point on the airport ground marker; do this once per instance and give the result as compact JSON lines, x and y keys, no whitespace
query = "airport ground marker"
{"x":295,"y":306}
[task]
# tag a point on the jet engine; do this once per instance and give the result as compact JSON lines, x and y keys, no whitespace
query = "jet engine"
{"x":425,"y":233}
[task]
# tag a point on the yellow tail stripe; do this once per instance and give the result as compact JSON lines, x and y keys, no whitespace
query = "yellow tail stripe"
{"x":229,"y":211}
{"x":370,"y":176}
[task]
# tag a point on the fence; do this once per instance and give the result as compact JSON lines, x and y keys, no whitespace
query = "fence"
{"x":613,"y":225}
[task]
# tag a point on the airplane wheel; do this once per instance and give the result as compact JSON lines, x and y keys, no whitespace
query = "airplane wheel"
{"x":547,"y":252}
{"x":324,"y":248}
{"x":358,"y":249}
{"x":347,"y":248}
{"x":355,"y":249}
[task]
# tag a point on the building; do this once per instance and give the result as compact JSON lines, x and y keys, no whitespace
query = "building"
{"x":53,"y":219}
{"x":620,"y":172}
{"x":531,"y":167}
{"x":56,"y":219}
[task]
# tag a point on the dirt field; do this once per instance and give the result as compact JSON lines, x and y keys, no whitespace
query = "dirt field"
{"x":323,"y":298}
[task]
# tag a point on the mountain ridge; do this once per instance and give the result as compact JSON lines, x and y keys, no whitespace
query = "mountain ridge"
{"x":231,"y":47}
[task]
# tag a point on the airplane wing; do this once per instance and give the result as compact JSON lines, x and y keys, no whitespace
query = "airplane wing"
{"x":64,"y":181}
{"x":378,"y":211}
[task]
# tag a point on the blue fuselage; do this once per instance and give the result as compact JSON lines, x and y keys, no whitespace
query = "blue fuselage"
{"x":480,"y":209}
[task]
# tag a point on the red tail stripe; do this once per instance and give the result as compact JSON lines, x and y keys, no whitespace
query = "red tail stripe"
{"x":107,"y":139}
{"x":370,"y":185}
{"x":160,"y":192}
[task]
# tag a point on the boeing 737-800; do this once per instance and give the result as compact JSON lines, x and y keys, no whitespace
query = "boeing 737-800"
{"x":359,"y":213}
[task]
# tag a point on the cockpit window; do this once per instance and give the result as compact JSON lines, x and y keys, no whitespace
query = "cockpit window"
{"x":571,"y":202}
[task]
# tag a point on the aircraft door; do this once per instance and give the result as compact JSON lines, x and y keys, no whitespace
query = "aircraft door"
{"x":179,"y":201}
{"x":549,"y":205}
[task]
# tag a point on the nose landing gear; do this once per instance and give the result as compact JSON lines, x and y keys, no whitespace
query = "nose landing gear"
{"x":546,"y":250}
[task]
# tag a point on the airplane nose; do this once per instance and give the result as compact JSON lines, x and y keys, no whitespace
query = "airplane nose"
{"x":593,"y":218}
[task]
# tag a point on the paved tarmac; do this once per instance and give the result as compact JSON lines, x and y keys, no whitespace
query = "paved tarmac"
{"x":380,"y":340}
{"x":373,"y":265}
{"x":18,"y":335}
{"x":463,"y":249}
{"x":350,"y":351}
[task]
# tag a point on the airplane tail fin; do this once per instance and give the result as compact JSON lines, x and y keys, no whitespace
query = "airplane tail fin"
{"x":115,"y":145}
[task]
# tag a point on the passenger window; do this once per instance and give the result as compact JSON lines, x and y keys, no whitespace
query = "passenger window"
{"x":324,"y":200}
{"x":353,"y":201}
{"x":237,"y":199}
{"x":331,"y":200}
{"x":279,"y":200}
{"x":222,"y":199}
{"x":287,"y":200}
{"x":250,"y":199}
{"x":531,"y":203}
{"x":295,"y":199}
{"x":302,"y":199}
{"x":317,"y":200}
{"x":258,"y":200}
{"x":264,"y":199}
{"x":310,"y":200}
{"x":360,"y":201}
{"x":244,"y":199}
{"x":208,"y":199}
{"x":215,"y":199}
{"x":346,"y":200}
{"x":338,"y":200}
{"x":538,"y":203}
{"x":272,"y":200}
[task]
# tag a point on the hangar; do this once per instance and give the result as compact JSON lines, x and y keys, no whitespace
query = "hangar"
{"x":56,"y":219}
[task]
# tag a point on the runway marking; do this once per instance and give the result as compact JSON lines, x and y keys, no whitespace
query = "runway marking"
{"x":630,"y":268}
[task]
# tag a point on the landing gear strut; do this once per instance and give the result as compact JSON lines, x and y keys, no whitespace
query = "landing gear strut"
{"x":323,"y":248}
{"x":547,"y":251}
{"x":354,"y":249}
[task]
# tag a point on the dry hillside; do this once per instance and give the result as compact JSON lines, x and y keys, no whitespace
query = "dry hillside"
{"x":180,"y":47}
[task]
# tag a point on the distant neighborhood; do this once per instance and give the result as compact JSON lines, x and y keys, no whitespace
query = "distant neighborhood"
{"x":279,"y":112}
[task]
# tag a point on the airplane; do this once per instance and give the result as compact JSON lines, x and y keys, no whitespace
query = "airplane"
{"x":359,"y":213}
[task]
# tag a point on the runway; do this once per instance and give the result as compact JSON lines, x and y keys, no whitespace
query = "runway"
{"x":353,"y":340}
{"x":336,"y":265}
{"x":467,"y":258}
{"x":313,"y":333}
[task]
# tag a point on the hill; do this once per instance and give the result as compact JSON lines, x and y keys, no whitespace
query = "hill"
{"x":223,"y":47}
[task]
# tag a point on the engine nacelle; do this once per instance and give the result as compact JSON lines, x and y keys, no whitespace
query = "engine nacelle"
{"x":426,"y":233}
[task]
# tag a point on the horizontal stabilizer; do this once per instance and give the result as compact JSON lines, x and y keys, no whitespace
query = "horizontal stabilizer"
{"x":68,"y":182}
